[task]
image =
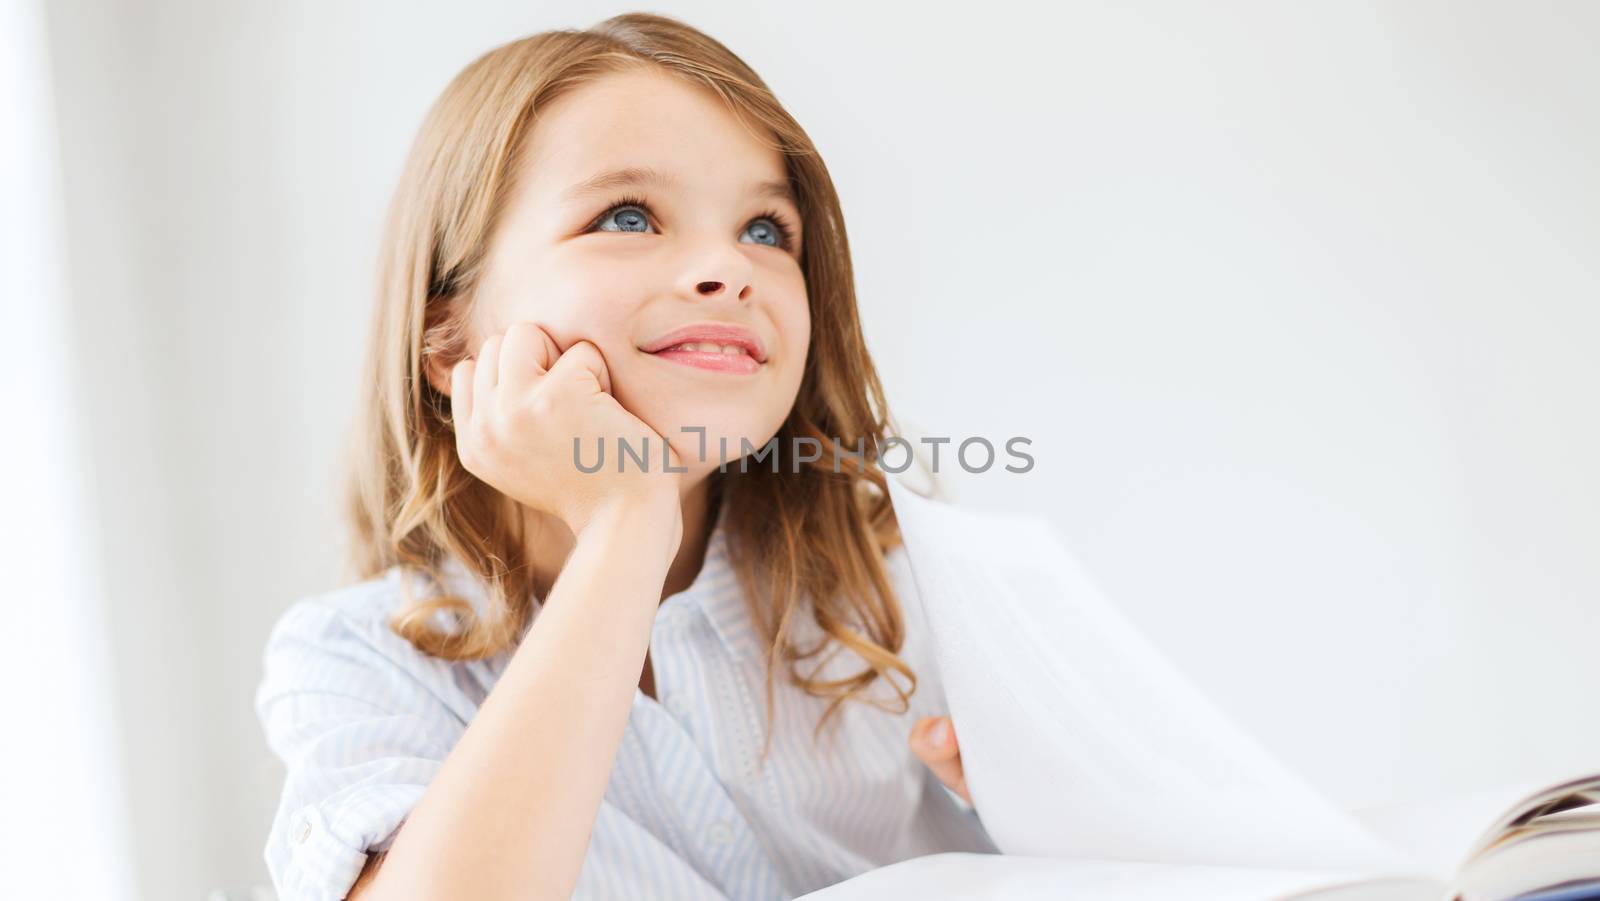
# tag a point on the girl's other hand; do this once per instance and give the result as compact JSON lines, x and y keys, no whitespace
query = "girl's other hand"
{"x":518,"y":405}
{"x":933,"y":740}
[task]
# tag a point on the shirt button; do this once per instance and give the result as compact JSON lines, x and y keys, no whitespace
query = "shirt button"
{"x":305,"y":832}
{"x":721,"y":833}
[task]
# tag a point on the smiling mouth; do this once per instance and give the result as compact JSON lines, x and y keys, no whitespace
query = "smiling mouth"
{"x":712,"y":357}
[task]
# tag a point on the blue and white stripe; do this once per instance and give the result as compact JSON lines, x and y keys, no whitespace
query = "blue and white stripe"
{"x":362,"y":721}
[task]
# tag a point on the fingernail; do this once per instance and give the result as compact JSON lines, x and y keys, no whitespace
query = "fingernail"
{"x":939,"y":732}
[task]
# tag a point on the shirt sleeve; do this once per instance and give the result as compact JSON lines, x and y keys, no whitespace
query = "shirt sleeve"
{"x":362,"y":721}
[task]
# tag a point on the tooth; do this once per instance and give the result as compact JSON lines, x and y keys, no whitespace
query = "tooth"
{"x":708,"y":347}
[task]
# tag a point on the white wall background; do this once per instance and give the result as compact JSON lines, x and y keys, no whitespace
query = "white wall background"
{"x":63,"y":834}
{"x":1297,"y":302}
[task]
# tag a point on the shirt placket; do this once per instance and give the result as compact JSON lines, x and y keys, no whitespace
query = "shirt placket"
{"x":685,"y":654}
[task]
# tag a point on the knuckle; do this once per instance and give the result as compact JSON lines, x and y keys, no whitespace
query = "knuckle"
{"x":582,"y":351}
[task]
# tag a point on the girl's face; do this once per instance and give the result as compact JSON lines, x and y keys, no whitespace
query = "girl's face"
{"x":621,"y":263}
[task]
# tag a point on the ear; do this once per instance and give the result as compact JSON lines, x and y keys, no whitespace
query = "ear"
{"x":442,"y":329}
{"x":438,"y":376}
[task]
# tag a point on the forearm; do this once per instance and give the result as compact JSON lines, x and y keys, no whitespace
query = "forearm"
{"x":509,"y":813}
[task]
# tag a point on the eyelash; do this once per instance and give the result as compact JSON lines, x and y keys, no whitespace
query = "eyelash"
{"x":785,"y":229}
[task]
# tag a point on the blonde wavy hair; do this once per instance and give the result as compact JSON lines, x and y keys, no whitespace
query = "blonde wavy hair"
{"x":799,"y":533}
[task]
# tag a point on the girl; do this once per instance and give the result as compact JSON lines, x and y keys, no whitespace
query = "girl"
{"x":690,"y":678}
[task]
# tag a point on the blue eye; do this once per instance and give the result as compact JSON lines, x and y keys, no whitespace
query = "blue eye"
{"x":632,"y":214}
{"x":771,"y":229}
{"x":628,"y":218}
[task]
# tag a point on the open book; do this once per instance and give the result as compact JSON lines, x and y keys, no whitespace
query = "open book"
{"x":1102,"y":773}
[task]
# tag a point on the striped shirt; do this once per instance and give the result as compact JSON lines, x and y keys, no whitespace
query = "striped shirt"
{"x":362,"y":721}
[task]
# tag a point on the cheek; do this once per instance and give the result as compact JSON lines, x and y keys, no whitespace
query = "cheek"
{"x":574,"y":301}
{"x":797,"y":330}
{"x":792,"y":315}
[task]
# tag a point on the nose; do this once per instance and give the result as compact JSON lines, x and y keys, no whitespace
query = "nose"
{"x":712,"y":289}
{"x":716,"y":271}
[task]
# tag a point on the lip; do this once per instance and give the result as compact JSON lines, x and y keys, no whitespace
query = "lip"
{"x":711,"y":332}
{"x":738,"y":364}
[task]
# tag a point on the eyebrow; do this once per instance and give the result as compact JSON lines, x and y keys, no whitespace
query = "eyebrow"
{"x":645,"y":176}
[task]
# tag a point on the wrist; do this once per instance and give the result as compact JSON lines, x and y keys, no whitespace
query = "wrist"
{"x":653,"y":520}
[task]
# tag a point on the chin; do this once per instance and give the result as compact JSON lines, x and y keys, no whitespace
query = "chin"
{"x":720,"y":443}
{"x":726,"y":420}
{"x":669,"y":413}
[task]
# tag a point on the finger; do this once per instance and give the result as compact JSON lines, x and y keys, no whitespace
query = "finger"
{"x":461,"y":391}
{"x":958,"y":781}
{"x":933,"y":740}
{"x":487,"y":372}
{"x":582,"y":358}
{"x":527,"y":352}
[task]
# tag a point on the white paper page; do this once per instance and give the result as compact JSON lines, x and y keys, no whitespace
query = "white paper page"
{"x":1078,"y":738}
{"x":996,"y":877}
{"x":1439,"y":833}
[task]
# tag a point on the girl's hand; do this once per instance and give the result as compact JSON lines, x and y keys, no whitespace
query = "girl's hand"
{"x":933,"y":740}
{"x":518,"y":406}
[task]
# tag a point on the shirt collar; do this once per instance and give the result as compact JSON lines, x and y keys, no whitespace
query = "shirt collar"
{"x":715,"y":590}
